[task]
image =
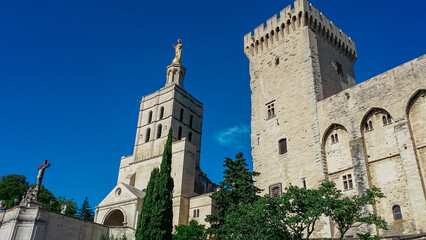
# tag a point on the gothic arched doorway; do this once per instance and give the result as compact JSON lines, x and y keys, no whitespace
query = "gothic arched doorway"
{"x":114,"y":218}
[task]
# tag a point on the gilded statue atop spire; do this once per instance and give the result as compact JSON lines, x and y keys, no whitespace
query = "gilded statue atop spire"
{"x":178,"y":52}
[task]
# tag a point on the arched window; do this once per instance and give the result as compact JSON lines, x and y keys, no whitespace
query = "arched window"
{"x":332,"y":139}
{"x":150,"y":117}
{"x":161,"y":115}
{"x":198,"y":212}
{"x":336,"y":138}
{"x":397,"y":214}
{"x":370,"y":125}
{"x":191,"y":119}
{"x":385,"y":120}
{"x":180,"y":133}
{"x":282,"y":146}
{"x":190,"y":136}
{"x":389,"y":117}
{"x":148,"y":134}
{"x":181,"y":115}
{"x":366,"y":126}
{"x":159,"y":128}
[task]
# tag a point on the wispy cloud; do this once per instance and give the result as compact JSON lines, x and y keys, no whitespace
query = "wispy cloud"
{"x":237,"y":136}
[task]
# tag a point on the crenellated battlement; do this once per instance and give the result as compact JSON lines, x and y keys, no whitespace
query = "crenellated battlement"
{"x":290,"y":19}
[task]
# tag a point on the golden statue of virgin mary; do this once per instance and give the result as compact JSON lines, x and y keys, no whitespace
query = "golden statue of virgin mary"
{"x":178,"y":52}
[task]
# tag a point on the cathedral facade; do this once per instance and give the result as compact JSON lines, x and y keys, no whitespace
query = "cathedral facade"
{"x":311,"y":122}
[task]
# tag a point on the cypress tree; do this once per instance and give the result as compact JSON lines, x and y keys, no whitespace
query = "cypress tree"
{"x":149,"y":222}
{"x":156,"y":218}
{"x":166,"y":185}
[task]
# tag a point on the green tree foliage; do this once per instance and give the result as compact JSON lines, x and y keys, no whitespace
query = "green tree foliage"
{"x":236,"y":189}
{"x":296,"y":212}
{"x":12,"y":186}
{"x":71,"y":209}
{"x":15,"y":186}
{"x":165,"y":185}
{"x":193,"y":231}
{"x":86,"y":212}
{"x":346,"y":212}
{"x":156,"y":218}
{"x":257,"y":221}
{"x":149,"y":221}
{"x":300,"y":209}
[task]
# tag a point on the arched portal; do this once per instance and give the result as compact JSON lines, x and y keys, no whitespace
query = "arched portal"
{"x":114,"y":218}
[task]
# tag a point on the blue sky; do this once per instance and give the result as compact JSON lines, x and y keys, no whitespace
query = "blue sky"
{"x":72,"y":71}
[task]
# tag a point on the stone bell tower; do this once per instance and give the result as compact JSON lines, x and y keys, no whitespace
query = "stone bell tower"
{"x":169,"y":107}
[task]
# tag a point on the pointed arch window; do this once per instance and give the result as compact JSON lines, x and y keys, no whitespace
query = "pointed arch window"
{"x":334,"y":138}
{"x":161,"y":115}
{"x":397,"y":214}
{"x":387,"y":119}
{"x":148,"y":134}
{"x":159,"y":128}
{"x":368,"y":126}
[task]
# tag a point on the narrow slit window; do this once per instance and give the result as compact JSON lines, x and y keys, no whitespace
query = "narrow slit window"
{"x":191,"y":120}
{"x":150,"y":117}
{"x":159,"y":128}
{"x":180,"y":133}
{"x":161,"y":115}
{"x":190,"y":136}
{"x":181,"y":115}
{"x":148,"y":134}
{"x":339,"y":69}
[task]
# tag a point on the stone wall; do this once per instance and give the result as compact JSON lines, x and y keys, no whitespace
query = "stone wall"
{"x":23,"y":223}
{"x":359,"y":136}
{"x":388,"y":157}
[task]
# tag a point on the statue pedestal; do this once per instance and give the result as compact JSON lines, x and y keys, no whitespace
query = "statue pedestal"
{"x":30,"y":199}
{"x":175,"y":74}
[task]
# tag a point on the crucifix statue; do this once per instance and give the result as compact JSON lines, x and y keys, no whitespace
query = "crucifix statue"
{"x":41,"y":173}
{"x":30,"y":199}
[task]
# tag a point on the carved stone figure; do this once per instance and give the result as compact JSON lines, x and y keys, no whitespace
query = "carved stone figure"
{"x":63,"y":208}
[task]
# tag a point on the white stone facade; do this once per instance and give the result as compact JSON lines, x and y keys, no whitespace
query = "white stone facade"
{"x":311,"y":122}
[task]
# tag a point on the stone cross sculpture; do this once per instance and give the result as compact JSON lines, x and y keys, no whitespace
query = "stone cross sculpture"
{"x":30,"y":198}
